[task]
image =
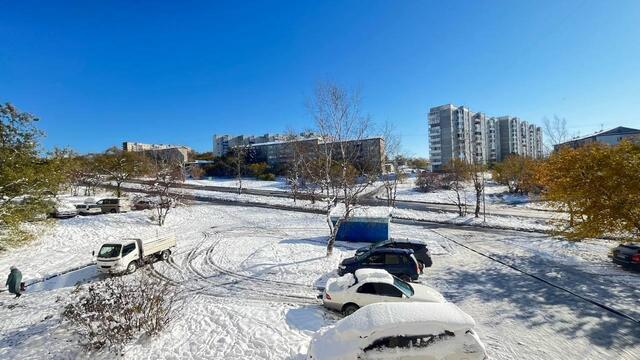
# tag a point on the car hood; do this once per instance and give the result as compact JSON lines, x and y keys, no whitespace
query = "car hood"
{"x":425,"y":293}
{"x":349,"y":261}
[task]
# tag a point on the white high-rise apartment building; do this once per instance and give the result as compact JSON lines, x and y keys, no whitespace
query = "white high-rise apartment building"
{"x":458,"y":132}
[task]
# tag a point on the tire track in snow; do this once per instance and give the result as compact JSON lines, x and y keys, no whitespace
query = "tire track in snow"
{"x":231,"y":286}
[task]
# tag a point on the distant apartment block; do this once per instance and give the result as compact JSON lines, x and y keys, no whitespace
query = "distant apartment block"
{"x":223,"y":143}
{"x":177,"y":153}
{"x":278,"y":150}
{"x":457,"y":132}
{"x":610,"y":137}
{"x":366,"y":153}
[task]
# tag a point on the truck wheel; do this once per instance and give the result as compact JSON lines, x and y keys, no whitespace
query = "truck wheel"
{"x":164,"y":256}
{"x":405,"y":277}
{"x":113,"y":211}
{"x":131,"y":268}
{"x":349,"y":309}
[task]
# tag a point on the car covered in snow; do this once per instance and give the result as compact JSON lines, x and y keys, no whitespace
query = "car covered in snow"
{"x":398,"y":262}
{"x":627,"y":255}
{"x":419,"y":248}
{"x":400,"y":331}
{"x":350,"y":292}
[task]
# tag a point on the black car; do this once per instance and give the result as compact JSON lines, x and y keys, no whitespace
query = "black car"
{"x":627,"y":255}
{"x":419,"y":248}
{"x":398,"y":262}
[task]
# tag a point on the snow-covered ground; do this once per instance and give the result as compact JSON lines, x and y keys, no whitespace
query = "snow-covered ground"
{"x":248,"y":277}
{"x":248,"y":183}
{"x":496,"y":194}
{"x":504,"y":222}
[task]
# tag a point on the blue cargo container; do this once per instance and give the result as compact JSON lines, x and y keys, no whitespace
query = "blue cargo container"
{"x":364,"y":225}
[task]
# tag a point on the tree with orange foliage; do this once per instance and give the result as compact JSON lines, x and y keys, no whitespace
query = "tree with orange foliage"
{"x":599,"y":187}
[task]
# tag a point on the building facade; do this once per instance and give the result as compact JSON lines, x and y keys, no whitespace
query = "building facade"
{"x":223,"y":143}
{"x":457,"y":132}
{"x":365,"y":153}
{"x":176,"y":153}
{"x":610,"y":137}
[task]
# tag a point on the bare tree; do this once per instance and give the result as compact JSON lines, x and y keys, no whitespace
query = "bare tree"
{"x":294,"y":171}
{"x":121,"y":166}
{"x":238,"y":160}
{"x":476,"y":172}
{"x":555,"y":131}
{"x":391,"y":174}
{"x":343,"y":171}
{"x":167,"y":176}
{"x":458,"y":173}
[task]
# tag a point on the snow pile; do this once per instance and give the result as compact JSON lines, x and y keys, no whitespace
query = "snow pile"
{"x":349,"y":336}
{"x":339,"y":284}
{"x":382,"y":276}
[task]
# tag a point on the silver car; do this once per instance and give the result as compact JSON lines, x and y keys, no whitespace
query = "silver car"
{"x":88,"y":209}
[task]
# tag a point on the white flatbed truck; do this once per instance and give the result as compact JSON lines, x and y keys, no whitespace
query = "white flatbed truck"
{"x":126,"y":255}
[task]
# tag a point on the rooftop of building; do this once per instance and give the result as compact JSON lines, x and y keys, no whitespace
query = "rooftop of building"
{"x":620,"y":130}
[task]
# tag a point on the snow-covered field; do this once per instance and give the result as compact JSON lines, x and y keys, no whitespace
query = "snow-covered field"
{"x":248,"y":277}
{"x":248,"y":183}
{"x":496,"y":194}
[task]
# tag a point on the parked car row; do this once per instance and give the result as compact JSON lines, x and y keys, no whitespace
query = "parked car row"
{"x":405,"y":259}
{"x":102,"y":206}
{"x":389,"y":317}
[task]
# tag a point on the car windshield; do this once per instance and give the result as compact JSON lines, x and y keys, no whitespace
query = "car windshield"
{"x":381,"y":243}
{"x":109,"y":251}
{"x":403,"y":286}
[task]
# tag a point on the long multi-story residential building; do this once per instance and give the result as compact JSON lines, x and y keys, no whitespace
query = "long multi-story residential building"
{"x":223,"y":143}
{"x":366,"y":153}
{"x":457,"y":132}
{"x":177,"y":153}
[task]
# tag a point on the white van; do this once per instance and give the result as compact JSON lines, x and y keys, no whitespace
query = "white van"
{"x":115,"y":205}
{"x":125,"y":256}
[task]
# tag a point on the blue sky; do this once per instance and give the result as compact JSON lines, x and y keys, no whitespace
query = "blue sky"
{"x":99,"y":73}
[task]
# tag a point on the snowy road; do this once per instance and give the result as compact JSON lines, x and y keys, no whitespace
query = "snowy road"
{"x":247,"y":279}
{"x":525,"y":318}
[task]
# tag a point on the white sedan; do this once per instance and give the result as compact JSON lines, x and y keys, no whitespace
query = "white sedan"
{"x":394,"y":331}
{"x":348,"y":293}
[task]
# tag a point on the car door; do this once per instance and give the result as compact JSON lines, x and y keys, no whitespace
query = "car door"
{"x":129,"y":253}
{"x":365,"y":295}
{"x":374,"y":261}
{"x":393,"y":264}
{"x":370,"y":293}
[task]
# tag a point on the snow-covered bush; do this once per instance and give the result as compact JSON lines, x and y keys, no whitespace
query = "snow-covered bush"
{"x":111,"y":313}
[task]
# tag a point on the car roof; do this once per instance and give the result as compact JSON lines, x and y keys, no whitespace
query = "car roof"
{"x":432,"y":317}
{"x":409,"y":241}
{"x":373,"y":275}
{"x":119,"y":241}
{"x":392,"y":251}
